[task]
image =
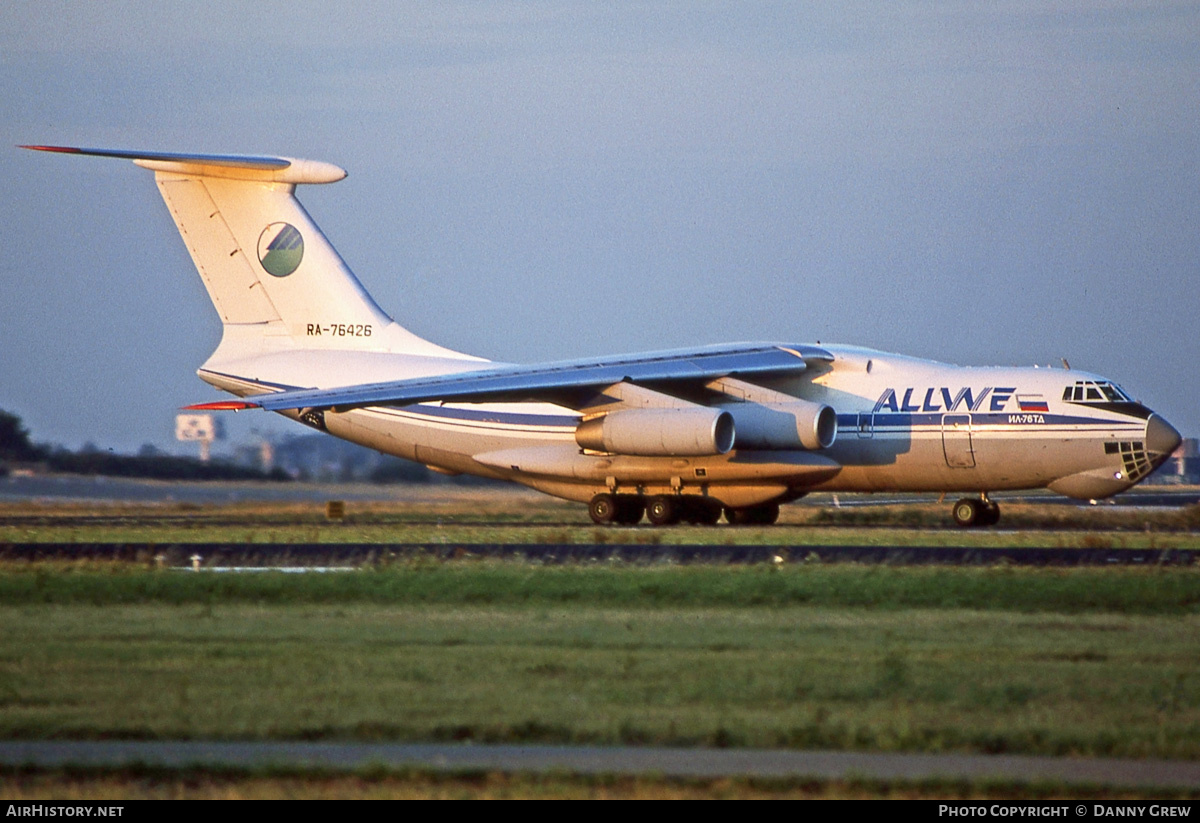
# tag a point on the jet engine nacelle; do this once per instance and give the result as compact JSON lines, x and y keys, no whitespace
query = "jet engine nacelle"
{"x":659,"y":432}
{"x":798,"y":424}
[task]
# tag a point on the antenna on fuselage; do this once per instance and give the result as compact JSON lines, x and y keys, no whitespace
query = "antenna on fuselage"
{"x":1066,"y":365}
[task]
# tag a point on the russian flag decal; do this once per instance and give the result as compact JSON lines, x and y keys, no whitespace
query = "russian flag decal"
{"x":1032,"y":403}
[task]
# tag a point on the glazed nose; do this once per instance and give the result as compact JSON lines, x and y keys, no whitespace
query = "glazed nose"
{"x":1161,"y":437}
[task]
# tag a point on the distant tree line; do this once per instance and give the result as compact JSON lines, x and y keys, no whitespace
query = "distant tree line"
{"x":17,"y":447}
{"x":307,"y":457}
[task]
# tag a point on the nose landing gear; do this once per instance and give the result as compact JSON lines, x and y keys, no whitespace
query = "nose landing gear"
{"x":971,"y":513}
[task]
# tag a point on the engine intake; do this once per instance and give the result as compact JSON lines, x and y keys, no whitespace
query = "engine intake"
{"x":659,"y":432}
{"x":798,"y":424}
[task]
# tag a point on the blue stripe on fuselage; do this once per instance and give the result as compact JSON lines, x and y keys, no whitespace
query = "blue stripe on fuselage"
{"x":900,"y":420}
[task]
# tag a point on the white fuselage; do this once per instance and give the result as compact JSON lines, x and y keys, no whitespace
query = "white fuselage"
{"x":904,"y":424}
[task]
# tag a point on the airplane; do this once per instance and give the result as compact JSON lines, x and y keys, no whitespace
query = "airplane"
{"x":682,"y":435}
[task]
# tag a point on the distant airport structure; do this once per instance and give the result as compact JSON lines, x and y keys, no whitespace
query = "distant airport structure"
{"x":199,"y":428}
{"x":1184,"y":463}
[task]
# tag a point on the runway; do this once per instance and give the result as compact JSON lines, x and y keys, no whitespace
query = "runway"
{"x":353,"y":555}
{"x":594,"y":760}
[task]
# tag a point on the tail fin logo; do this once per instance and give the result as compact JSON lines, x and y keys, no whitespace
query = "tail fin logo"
{"x":280,"y":249}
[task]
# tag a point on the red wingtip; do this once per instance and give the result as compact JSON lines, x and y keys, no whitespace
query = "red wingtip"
{"x":222,"y":405}
{"x":59,"y":149}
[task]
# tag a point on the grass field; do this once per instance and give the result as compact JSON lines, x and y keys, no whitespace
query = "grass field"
{"x":1083,"y":662}
{"x":1086,"y":662}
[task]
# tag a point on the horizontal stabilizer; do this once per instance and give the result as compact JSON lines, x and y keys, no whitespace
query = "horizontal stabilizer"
{"x":238,"y":166}
{"x":222,"y":405}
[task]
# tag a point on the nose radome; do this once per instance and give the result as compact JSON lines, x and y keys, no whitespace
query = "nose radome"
{"x":1161,"y":437}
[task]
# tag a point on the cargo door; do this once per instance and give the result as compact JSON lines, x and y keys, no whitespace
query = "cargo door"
{"x":956,"y":441}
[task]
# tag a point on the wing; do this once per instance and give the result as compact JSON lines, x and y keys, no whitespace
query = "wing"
{"x":555,"y":382}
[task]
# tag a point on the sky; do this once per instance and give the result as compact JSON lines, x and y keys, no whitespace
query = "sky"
{"x":1002,"y":183}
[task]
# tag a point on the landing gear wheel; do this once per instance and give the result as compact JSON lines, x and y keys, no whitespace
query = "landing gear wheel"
{"x":662,"y":510}
{"x":629,"y":509}
{"x":967,"y":512}
{"x":603,"y":509}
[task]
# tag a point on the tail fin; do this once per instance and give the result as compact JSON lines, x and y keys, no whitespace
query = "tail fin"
{"x":273,"y":277}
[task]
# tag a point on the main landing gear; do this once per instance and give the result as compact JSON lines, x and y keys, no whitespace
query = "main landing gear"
{"x":667,"y":510}
{"x":622,"y":509}
{"x":970,"y":513}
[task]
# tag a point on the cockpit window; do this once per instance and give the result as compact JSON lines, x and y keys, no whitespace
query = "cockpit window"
{"x":1121,"y":395}
{"x":1090,"y":391}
